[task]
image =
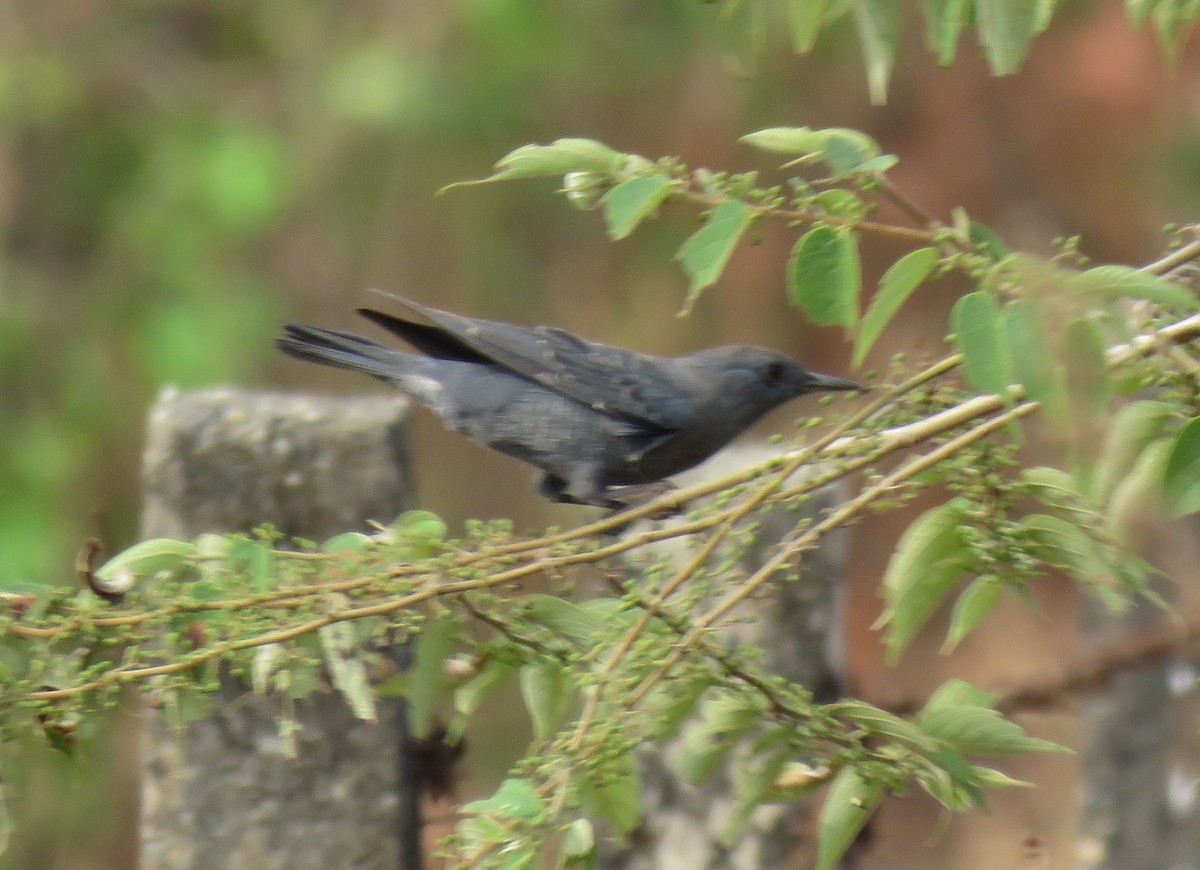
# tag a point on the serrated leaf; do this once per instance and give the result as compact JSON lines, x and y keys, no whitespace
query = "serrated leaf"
{"x":558,"y":158}
{"x":1006,"y":28}
{"x":958,"y":693}
{"x":929,"y":559}
{"x":707,"y":251}
{"x":1125,"y":282}
{"x":632,"y":201}
{"x":976,"y":730}
{"x":825,"y":277}
{"x":848,"y":805}
{"x":1063,"y":544}
{"x":723,"y":718}
{"x":617,"y":798}
{"x":546,"y":690}
{"x":972,"y":607}
{"x":346,"y":670}
{"x":804,"y":22}
{"x":975,"y":319}
{"x":896,"y":285}
{"x":430,"y":651}
{"x":877,"y":27}
{"x":1181,"y":475}
{"x":147,"y":558}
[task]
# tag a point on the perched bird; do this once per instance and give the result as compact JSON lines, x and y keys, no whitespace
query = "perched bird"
{"x":600,"y":422}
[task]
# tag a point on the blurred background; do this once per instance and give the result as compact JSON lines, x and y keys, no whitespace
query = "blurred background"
{"x":177,"y":179}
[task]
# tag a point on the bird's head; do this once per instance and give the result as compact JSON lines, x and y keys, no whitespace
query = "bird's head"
{"x":751,"y":381}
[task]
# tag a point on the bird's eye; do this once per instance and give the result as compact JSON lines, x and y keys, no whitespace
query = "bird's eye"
{"x":772,"y":373}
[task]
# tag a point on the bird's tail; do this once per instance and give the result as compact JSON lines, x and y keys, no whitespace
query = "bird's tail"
{"x":343,"y":350}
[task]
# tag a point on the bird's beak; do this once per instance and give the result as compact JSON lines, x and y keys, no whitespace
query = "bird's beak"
{"x":818,"y":382}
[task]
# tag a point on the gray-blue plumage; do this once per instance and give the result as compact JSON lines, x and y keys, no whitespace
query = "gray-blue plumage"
{"x":590,"y":416}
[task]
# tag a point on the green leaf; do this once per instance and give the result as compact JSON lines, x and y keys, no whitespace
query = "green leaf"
{"x":877,"y":28}
{"x":1125,"y":282}
{"x":1063,"y":544}
{"x":786,"y":140}
{"x":755,"y":786}
{"x":958,"y":693}
{"x":422,"y":532}
{"x":1181,"y":476}
{"x":470,"y":694}
{"x":576,"y":623}
{"x":825,"y":277}
{"x":985,"y":237}
{"x":844,"y":150}
{"x":147,"y":558}
{"x":975,"y":319}
{"x":432,"y":647}
{"x":933,"y":537}
{"x":929,"y":559}
{"x":1006,"y":28}
{"x":1133,"y":428}
{"x":804,"y":22}
{"x":979,"y":730}
{"x":340,"y":644}
{"x":632,"y":201}
{"x":882,"y":723}
{"x":1089,"y":387}
{"x":255,"y":560}
{"x":838,"y":202}
{"x":558,"y":158}
{"x":347,"y":542}
{"x":579,"y":845}
{"x":944,"y":23}
{"x":896,"y":285}
{"x":616,"y":795}
{"x":972,"y":607}
{"x":704,"y":255}
{"x":1136,"y":501}
{"x":723,"y":719}
{"x":547,"y":692}
{"x":515,"y":799}
{"x":1033,"y":361}
{"x":1139,"y":11}
{"x":848,"y":805}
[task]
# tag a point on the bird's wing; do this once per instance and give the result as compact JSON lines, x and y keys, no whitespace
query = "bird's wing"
{"x":620,"y":383}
